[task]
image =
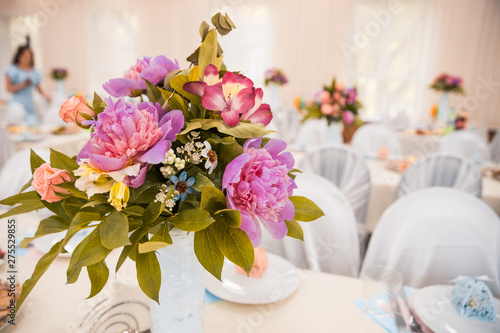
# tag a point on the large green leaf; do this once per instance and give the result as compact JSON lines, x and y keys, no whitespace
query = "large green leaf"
{"x":207,"y":251}
{"x":243,"y":130}
{"x":192,"y":219}
{"x":152,"y":212}
{"x":212,"y":199}
{"x":40,"y":268}
{"x":82,"y":219}
{"x":200,"y":181}
{"x":135,"y":237}
{"x":159,"y":240}
{"x":208,"y":52}
{"x":18,"y":198}
{"x":134,"y":210}
{"x":24,"y":207}
{"x":153,"y":92}
{"x":98,"y":276}
{"x":114,"y":230}
{"x":35,"y":161}
{"x":305,"y":209}
{"x":234,"y":245}
{"x":294,"y":229}
{"x":61,"y":161}
{"x":149,"y":274}
{"x":231,"y":217}
{"x":50,"y":225}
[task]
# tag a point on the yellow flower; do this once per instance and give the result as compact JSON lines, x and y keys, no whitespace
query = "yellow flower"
{"x":119,"y":195}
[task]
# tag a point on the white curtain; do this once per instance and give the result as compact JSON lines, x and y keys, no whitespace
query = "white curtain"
{"x":97,"y":40}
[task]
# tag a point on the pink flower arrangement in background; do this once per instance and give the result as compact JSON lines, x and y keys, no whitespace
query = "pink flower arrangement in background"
{"x":258,"y":185}
{"x":76,"y":110}
{"x":275,"y":76}
{"x":448,"y":83}
{"x":46,"y":179}
{"x":133,"y":84}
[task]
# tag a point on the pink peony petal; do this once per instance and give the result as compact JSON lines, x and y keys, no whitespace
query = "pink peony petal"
{"x":252,"y":143}
{"x":287,"y":159}
{"x":164,"y":62}
{"x":176,"y":119}
{"x":275,"y":146}
{"x":118,"y":87}
{"x":233,"y":170}
{"x":156,"y":154}
{"x":154,"y":74}
{"x":288,"y":212}
{"x":105,"y":163}
{"x":251,"y":228}
{"x":277,"y":230}
{"x":138,"y":180}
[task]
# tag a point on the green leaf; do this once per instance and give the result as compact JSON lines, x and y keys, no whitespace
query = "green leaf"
{"x":235,"y":245}
{"x":192,"y":219}
{"x":50,"y":225}
{"x":208,"y":52}
{"x":305,"y":209}
{"x":149,"y":274}
{"x":178,"y":82}
{"x":200,"y":181}
{"x":61,"y":161}
{"x":231,"y":217}
{"x":152,"y":212}
{"x":134,"y":210}
{"x":135,"y":237}
{"x":114,"y":230}
{"x":242,"y":130}
{"x":98,"y":276}
{"x":159,"y":240}
{"x":80,"y":220}
{"x":25,"y":186}
{"x":151,"y":246}
{"x":154,"y":94}
{"x":191,"y":125}
{"x":40,"y":268}
{"x":212,"y":199}
{"x":18,"y":198}
{"x":204,"y":28}
{"x":97,"y":104}
{"x":229,"y":152}
{"x":24,"y":207}
{"x":207,"y":251}
{"x":294,"y":229}
{"x":35,"y":161}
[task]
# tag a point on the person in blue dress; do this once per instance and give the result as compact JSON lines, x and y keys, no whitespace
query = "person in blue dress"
{"x":21,"y":78}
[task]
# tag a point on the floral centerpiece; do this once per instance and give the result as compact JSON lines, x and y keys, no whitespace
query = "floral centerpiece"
{"x":59,"y":73}
{"x":275,"y":76}
{"x":334,"y":103}
{"x":189,"y":155}
{"x":448,"y":83}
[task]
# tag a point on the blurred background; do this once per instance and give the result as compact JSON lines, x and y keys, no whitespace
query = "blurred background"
{"x":391,"y":50}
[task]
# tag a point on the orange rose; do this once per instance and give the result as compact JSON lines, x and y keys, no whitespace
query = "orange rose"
{"x":71,"y":111}
{"x":45,"y":179}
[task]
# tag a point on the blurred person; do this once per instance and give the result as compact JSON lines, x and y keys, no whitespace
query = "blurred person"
{"x":21,"y":77}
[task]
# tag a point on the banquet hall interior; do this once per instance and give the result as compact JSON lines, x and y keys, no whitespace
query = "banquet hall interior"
{"x":250,"y":166}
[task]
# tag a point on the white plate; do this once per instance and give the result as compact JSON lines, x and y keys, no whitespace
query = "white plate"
{"x":278,"y":282}
{"x":45,"y":243}
{"x":432,"y":305}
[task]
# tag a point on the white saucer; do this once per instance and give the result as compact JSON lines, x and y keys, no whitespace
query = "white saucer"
{"x":278,"y":282}
{"x":432,"y":305}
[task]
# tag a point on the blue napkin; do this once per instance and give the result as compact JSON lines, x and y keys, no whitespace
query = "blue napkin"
{"x":211,"y":298}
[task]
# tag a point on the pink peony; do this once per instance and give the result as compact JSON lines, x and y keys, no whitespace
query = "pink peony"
{"x":348,"y":117}
{"x":45,"y":179}
{"x":258,"y":185}
{"x":325,"y":97}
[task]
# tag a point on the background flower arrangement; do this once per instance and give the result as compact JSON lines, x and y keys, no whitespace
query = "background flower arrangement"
{"x":59,"y":73}
{"x":334,"y":102}
{"x":448,"y":83}
{"x":275,"y":76}
{"x":189,"y":155}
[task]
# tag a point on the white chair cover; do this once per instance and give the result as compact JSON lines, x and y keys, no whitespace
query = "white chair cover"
{"x":331,"y":242}
{"x":348,"y":171}
{"x":316,"y":132}
{"x":370,"y":138}
{"x":16,"y":171}
{"x":467,"y":144}
{"x":441,"y":169}
{"x":435,"y":235}
{"x":495,"y":148}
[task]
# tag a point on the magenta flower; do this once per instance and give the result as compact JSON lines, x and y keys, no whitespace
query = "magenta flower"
{"x":232,"y":97}
{"x":126,"y":133}
{"x":210,"y":78}
{"x":258,"y":185}
{"x":133,"y":84}
{"x":351,"y":95}
{"x":348,"y":117}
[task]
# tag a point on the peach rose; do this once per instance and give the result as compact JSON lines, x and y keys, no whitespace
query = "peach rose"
{"x":71,"y":111}
{"x":325,"y":97}
{"x":339,"y":86}
{"x":45,"y":179}
{"x":327,"y":109}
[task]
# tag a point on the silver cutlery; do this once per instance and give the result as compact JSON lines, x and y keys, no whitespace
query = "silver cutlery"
{"x":412,"y":323}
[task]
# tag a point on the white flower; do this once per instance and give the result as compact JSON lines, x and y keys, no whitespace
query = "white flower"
{"x":170,"y":203}
{"x":211,"y":157}
{"x":199,"y":144}
{"x":169,"y":157}
{"x":180,"y":163}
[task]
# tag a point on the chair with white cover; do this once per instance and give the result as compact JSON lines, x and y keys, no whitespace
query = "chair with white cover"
{"x":495,"y":148}
{"x":330,"y":242}
{"x":6,"y":146}
{"x":435,"y":235}
{"x":16,"y":171}
{"x":441,"y":169}
{"x":348,"y":171}
{"x":467,"y":144}
{"x":370,"y":139}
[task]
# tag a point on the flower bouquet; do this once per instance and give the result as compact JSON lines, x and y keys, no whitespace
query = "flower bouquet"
{"x":334,"y":103}
{"x":448,"y":84}
{"x":275,"y":76}
{"x":187,"y":154}
{"x":59,"y":73}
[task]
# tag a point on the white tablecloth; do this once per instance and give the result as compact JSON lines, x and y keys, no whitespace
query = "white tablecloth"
{"x":414,"y":144}
{"x":322,"y":303}
{"x":69,"y":144}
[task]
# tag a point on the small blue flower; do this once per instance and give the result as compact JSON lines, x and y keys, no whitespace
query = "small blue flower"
{"x":182,"y":185}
